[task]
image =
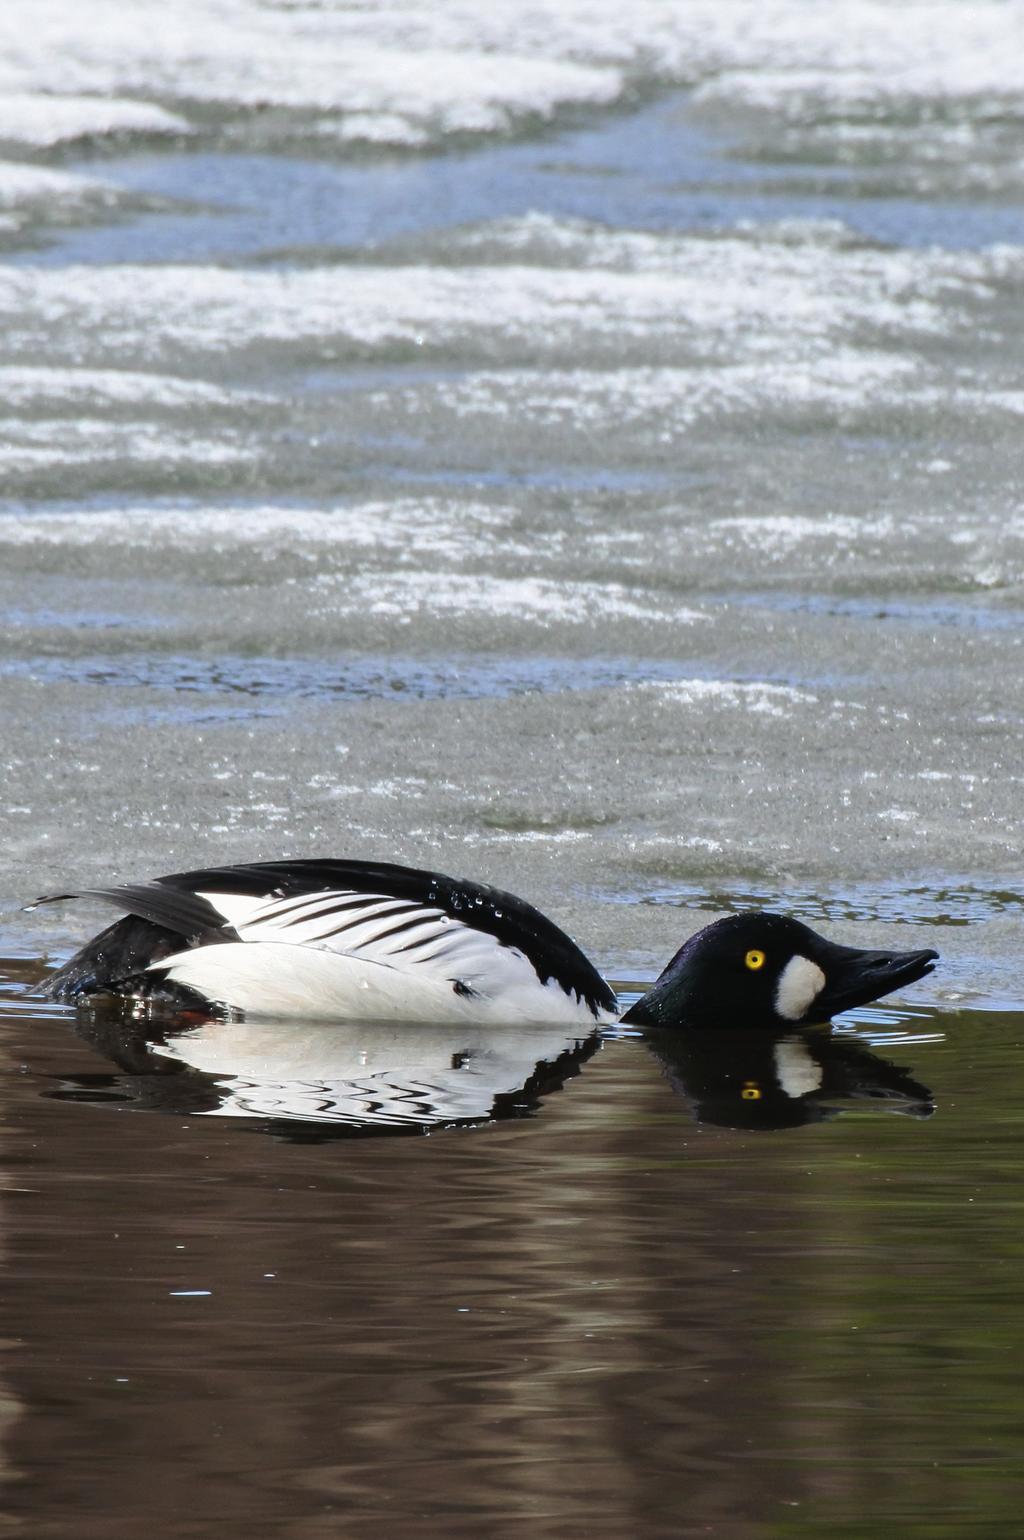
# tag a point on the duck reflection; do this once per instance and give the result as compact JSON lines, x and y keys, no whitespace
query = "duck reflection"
{"x":757,"y":1080}
{"x":352,"y":1078}
{"x":315,"y":1081}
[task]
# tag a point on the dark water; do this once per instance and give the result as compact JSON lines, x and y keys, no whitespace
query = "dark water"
{"x":602,"y":1317}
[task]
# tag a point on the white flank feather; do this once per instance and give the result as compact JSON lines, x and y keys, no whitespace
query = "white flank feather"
{"x":277,"y":978}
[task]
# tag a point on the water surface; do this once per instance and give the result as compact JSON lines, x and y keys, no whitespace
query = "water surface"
{"x":600,"y":1314}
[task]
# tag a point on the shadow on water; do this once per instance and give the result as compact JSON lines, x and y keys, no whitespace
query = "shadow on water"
{"x":636,"y":1312}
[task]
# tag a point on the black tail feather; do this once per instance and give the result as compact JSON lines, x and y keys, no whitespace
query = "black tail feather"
{"x":118,"y":954}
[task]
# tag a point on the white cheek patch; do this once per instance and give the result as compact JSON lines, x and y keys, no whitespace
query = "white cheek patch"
{"x":799,"y":983}
{"x":797,"y":1073}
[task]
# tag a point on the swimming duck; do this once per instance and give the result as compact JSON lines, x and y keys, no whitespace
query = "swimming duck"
{"x":366,"y":941}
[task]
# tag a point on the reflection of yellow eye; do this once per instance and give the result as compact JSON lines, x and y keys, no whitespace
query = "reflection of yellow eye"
{"x":754,"y":959}
{"x":751,"y":1091}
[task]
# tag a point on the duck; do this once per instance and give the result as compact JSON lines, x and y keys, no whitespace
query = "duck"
{"x":355,"y":941}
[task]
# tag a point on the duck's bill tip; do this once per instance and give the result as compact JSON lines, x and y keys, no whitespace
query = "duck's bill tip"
{"x":908,"y":967}
{"x":859,"y":977}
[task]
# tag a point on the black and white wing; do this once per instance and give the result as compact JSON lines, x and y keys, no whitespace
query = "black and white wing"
{"x":343,"y":939}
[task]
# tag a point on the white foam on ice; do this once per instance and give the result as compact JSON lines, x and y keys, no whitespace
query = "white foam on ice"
{"x":431,"y":529}
{"x":405,"y":595}
{"x":32,"y":446}
{"x":724,"y":300}
{"x":446,"y":66}
{"x":36,"y":386}
{"x":399,"y":81}
{"x":548,"y":240}
{"x":402,"y":560}
{"x":830,"y":67}
{"x":37,"y":187}
{"x":758,"y":696}
{"x":42,"y":121}
{"x":666,"y":401}
{"x":780,"y":533}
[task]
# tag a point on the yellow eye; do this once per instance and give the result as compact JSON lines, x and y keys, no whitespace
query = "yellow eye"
{"x":754,"y":959}
{"x":751,"y":1091}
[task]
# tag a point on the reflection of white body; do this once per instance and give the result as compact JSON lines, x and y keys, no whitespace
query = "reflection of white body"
{"x":366,"y":1074}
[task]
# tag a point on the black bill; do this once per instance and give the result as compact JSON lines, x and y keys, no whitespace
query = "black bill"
{"x":856,"y":977}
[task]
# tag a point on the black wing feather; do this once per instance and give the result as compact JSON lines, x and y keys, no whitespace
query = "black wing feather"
{"x":174,"y":908}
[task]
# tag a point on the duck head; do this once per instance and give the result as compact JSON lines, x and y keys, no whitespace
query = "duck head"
{"x":767,"y":970}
